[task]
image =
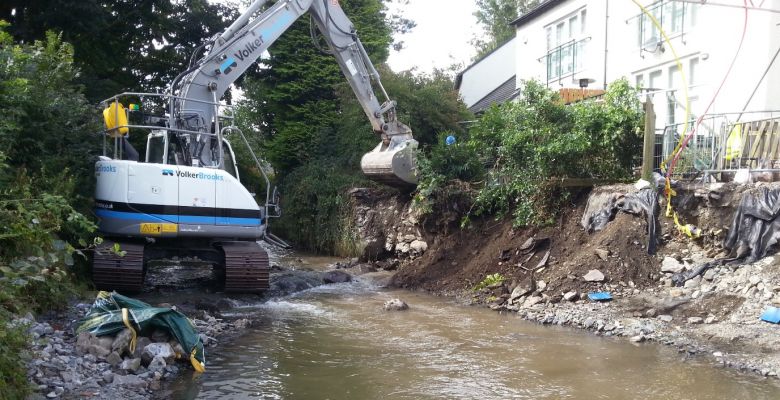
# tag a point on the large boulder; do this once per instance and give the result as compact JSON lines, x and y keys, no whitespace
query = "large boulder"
{"x":97,"y":346}
{"x":163,"y":350}
{"x":336,"y":277}
{"x":396,"y":305}
{"x":121,"y":342}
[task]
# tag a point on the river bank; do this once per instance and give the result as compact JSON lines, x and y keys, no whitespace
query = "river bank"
{"x":64,"y":365}
{"x":545,"y":275}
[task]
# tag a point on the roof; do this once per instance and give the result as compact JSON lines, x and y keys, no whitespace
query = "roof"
{"x":459,"y":76}
{"x":536,"y":12}
{"x":505,"y":91}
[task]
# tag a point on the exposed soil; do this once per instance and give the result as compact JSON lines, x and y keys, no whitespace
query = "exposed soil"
{"x":464,"y":258}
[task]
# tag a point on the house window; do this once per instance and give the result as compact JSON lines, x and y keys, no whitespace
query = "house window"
{"x":565,"y":45}
{"x":673,"y":16}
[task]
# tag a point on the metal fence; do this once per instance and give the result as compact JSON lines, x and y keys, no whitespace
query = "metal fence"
{"x":722,"y":144}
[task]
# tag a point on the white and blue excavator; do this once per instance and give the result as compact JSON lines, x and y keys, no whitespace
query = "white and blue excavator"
{"x":185,"y":198}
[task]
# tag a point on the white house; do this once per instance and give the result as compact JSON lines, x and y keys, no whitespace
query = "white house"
{"x":491,"y":79}
{"x":589,"y":43}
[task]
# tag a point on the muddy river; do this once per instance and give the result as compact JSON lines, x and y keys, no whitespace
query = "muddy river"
{"x":336,"y":342}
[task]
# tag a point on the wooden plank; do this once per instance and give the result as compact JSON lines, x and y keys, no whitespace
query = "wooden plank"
{"x":757,"y":145}
{"x":745,"y":145}
{"x":775,"y":152}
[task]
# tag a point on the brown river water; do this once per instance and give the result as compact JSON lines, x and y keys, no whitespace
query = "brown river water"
{"x":336,"y":342}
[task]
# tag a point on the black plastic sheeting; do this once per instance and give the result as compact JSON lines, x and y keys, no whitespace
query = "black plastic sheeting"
{"x":643,"y":202}
{"x":754,"y":230}
{"x":755,"y":227}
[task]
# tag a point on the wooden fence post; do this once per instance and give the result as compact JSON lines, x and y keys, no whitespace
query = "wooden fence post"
{"x":649,"y":144}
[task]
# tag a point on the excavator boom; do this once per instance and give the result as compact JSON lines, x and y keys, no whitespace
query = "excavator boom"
{"x":231,"y":53}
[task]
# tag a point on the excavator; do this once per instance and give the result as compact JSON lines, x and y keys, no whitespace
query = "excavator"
{"x":185,"y":198}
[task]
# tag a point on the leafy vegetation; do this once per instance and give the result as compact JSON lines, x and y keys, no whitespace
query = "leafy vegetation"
{"x":490,"y":280}
{"x":45,"y":148}
{"x":530,"y":144}
{"x":121,"y":45}
{"x":495,"y":17}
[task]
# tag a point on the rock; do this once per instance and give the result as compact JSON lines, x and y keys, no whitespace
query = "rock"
{"x":594,"y":275}
{"x":676,"y":292}
{"x":396,"y":305}
{"x":532,"y":301}
{"x":541,"y":285}
{"x":637,"y":339}
{"x":131,"y":364}
{"x":571,"y":296}
{"x":692,"y":283}
{"x":121,"y":343}
{"x":52,"y":395}
{"x":710,"y":319}
{"x":651,"y":313}
{"x":160,"y":336}
{"x":114,"y":359}
{"x":520,"y":291}
{"x":695,"y":320}
{"x":336,"y":277}
{"x":602,"y":253}
{"x":132,"y":381}
{"x":140,"y":344}
{"x":717,"y":354}
{"x":97,"y":346}
{"x":709,"y":275}
{"x":179,"y":350}
{"x":671,"y":265}
{"x":418,"y":246}
{"x":153,"y":350}
{"x":108,"y":377}
{"x":157,"y":364}
{"x":665,"y":317}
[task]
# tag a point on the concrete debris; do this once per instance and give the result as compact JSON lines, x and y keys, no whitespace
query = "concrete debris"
{"x":594,"y":275}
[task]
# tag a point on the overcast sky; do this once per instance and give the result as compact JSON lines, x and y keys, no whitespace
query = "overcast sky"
{"x":441,"y":38}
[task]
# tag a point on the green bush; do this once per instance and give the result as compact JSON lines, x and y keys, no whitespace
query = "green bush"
{"x":531,"y":143}
{"x":45,"y":169}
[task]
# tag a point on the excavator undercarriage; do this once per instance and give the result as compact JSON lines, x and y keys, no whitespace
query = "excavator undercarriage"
{"x":244,"y":265}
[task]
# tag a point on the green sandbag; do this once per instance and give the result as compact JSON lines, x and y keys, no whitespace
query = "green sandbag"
{"x":106,"y":318}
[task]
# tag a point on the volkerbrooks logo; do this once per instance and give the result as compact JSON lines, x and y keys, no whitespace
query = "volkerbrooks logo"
{"x":167,"y":172}
{"x":199,"y":175}
{"x":105,"y":168}
{"x":248,"y":49}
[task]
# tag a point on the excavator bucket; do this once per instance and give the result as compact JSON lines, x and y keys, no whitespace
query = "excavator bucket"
{"x":393,"y":166}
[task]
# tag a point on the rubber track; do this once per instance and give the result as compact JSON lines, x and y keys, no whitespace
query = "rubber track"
{"x":125,"y":274}
{"x":246,"y":267}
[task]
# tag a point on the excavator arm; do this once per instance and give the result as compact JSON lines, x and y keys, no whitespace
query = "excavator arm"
{"x":232,"y":52}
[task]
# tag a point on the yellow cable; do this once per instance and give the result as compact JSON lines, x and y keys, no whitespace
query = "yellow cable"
{"x":126,"y":320}
{"x":687,"y":229}
{"x":682,"y":77}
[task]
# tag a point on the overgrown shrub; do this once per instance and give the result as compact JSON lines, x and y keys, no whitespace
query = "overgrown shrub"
{"x":45,"y":174}
{"x":534,"y":142}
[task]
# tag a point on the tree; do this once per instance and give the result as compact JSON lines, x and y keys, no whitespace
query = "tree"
{"x":121,"y":45}
{"x":496,"y":18}
{"x":293,"y":93}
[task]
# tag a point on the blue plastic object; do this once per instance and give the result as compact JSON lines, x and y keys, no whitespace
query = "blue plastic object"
{"x":600,"y":296}
{"x":771,"y":314}
{"x":450,"y":140}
